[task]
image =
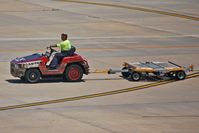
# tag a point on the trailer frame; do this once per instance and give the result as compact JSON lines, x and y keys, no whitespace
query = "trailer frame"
{"x":137,"y":70}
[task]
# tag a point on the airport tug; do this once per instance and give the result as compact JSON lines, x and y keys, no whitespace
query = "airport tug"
{"x":34,"y":67}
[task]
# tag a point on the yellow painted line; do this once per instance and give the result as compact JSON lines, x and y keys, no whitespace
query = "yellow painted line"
{"x":94,"y":95}
{"x":136,"y":8}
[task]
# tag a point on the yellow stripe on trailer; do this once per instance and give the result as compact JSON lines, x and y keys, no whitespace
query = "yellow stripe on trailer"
{"x":174,"y":69}
{"x":147,"y":70}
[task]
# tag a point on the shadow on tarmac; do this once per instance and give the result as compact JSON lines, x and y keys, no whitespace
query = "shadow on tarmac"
{"x":58,"y":80}
{"x":19,"y":81}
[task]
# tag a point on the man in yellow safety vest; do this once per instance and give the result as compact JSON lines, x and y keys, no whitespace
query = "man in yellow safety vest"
{"x":66,"y":50}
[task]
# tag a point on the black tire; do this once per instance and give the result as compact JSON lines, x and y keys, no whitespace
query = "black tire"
{"x":135,"y":76}
{"x":180,"y":75}
{"x":73,"y":73}
{"x":125,"y":74}
{"x":32,"y":76}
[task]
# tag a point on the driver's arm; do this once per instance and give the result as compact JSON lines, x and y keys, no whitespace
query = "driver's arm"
{"x":53,"y":45}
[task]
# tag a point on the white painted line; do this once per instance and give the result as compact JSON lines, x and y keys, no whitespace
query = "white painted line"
{"x":79,"y":38}
{"x":28,"y":39}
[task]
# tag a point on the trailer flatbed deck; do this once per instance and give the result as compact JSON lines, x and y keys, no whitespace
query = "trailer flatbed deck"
{"x":137,"y":70}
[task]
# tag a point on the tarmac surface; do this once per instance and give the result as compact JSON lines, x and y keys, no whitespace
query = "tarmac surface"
{"x":107,"y":33}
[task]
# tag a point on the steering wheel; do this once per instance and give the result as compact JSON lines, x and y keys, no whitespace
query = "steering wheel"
{"x":48,"y":54}
{"x":51,"y":50}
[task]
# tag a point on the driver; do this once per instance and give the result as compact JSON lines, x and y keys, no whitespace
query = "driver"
{"x":65,"y":47}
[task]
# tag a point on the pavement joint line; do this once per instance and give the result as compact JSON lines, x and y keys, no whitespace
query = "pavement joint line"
{"x":170,"y":116}
{"x":137,"y":8}
{"x":106,"y":49}
{"x":91,"y":37}
{"x":42,"y":10}
{"x":95,"y":95}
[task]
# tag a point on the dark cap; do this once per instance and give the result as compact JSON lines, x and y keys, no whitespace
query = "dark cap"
{"x":63,"y":34}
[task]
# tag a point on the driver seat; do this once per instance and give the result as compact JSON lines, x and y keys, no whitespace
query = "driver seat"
{"x":71,"y":51}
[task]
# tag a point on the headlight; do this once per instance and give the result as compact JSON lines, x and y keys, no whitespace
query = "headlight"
{"x":22,"y":65}
{"x":16,"y":66}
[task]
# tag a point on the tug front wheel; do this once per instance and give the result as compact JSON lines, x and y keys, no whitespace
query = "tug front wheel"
{"x":32,"y":75}
{"x":73,"y":73}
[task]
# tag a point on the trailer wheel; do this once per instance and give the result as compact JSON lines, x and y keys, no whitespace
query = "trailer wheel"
{"x":125,"y":74}
{"x":171,"y":75}
{"x":73,"y":73}
{"x":32,"y":75}
{"x":180,"y":75}
{"x":135,"y":76}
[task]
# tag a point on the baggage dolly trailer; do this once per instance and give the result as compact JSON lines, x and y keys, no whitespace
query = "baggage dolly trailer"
{"x":137,"y":70}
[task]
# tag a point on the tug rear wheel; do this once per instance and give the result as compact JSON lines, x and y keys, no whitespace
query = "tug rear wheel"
{"x":73,"y":73}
